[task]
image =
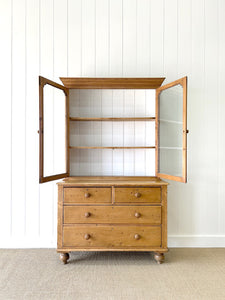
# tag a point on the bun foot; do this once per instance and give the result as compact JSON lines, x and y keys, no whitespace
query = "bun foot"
{"x":159,"y":257}
{"x":64,"y":257}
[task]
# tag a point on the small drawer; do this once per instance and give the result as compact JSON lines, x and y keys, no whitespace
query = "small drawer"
{"x":112,"y":214}
{"x":111,"y":236}
{"x":137,"y":195}
{"x":87,"y":195}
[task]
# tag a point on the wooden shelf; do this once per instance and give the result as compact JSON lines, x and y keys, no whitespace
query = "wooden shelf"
{"x":171,"y":148}
{"x":170,"y":121}
{"x":87,"y":147}
{"x":113,"y":119}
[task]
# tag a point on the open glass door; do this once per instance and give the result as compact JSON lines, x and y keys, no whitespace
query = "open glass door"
{"x":171,"y":131}
{"x":53,"y":130}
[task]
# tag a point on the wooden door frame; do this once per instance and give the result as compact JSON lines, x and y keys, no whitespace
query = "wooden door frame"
{"x":42,"y":82}
{"x":183,"y":83}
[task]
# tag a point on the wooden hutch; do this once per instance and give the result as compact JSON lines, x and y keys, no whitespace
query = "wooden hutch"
{"x":123,"y":213}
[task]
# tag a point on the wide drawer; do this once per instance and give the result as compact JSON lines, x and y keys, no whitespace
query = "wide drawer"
{"x":113,"y":214}
{"x":111,"y":236}
{"x":137,"y":195}
{"x":87,"y":195}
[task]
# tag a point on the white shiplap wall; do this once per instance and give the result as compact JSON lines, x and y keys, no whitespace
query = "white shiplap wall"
{"x":171,"y":38}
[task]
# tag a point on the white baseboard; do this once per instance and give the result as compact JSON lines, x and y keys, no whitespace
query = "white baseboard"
{"x":25,"y":243}
{"x":174,"y":241}
{"x":195,"y":241}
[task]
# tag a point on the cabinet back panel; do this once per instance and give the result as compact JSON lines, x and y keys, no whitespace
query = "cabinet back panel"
{"x":112,"y":103}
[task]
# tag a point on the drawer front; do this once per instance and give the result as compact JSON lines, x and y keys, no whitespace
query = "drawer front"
{"x":87,"y":195}
{"x":137,"y":195}
{"x":111,"y":236}
{"x":112,"y":214}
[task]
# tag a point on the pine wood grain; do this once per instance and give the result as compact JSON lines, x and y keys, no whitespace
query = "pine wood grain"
{"x":164,"y":217}
{"x":87,"y":195}
{"x":113,"y":119}
{"x":150,"y":215}
{"x":100,"y":181}
{"x":99,"y":147}
{"x":137,"y":195}
{"x":111,"y":236}
{"x":111,"y":83}
{"x":60,"y":217}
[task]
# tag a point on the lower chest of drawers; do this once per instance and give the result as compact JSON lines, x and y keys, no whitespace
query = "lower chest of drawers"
{"x":112,"y":218}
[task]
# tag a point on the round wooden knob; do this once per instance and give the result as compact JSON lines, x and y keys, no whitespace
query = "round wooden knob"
{"x":137,"y":236}
{"x":87,"y":236}
{"x":87,"y":195}
{"x":137,"y":195}
{"x":137,"y":215}
{"x":87,"y":214}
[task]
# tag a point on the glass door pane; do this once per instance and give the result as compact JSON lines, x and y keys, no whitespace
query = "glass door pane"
{"x":54,"y":131}
{"x":171,"y":120}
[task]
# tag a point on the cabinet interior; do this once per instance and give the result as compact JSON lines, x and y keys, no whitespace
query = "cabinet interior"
{"x":93,"y":131}
{"x":116,"y":136}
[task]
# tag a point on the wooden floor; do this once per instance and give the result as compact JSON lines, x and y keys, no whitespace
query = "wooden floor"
{"x":38,"y":274}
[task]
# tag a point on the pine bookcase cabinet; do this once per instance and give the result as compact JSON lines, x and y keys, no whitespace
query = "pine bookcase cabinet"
{"x":112,"y":213}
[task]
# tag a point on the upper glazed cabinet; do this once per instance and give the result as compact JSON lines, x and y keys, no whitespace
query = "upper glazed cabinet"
{"x":58,"y":134}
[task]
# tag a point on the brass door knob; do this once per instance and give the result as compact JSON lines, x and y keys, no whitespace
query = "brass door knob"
{"x":87,"y":214}
{"x":137,"y":215}
{"x":87,"y":195}
{"x":87,"y":236}
{"x":137,"y":195}
{"x":137,"y":236}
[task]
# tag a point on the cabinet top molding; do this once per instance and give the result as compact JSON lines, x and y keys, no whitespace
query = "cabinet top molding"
{"x":111,"y":83}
